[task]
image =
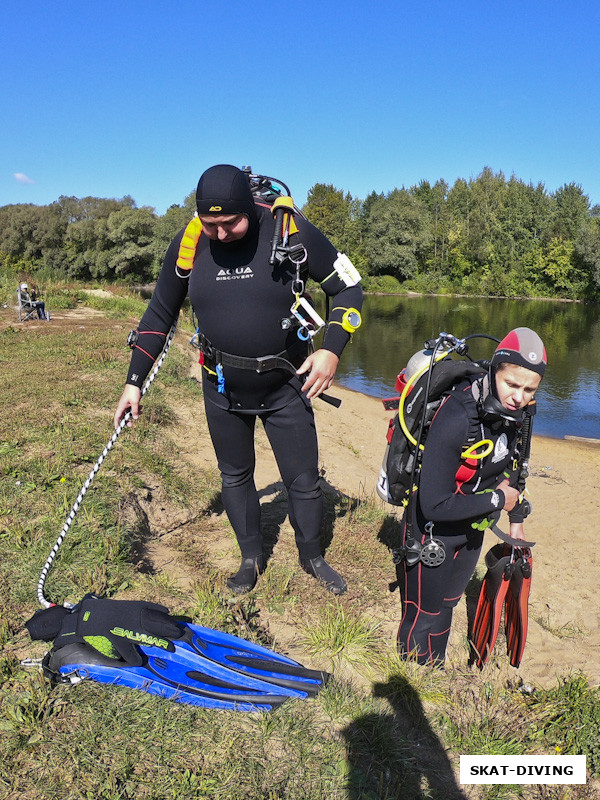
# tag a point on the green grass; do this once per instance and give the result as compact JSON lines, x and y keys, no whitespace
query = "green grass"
{"x":382,"y":729}
{"x":569,"y":715}
{"x":342,"y":632}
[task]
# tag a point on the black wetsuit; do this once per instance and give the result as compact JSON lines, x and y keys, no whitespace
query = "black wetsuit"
{"x":461,"y":500}
{"x":240,"y":301}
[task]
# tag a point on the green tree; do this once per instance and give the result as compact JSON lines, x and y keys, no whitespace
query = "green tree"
{"x":334,"y":214}
{"x":488,"y":195}
{"x":558,"y":265}
{"x":460,"y":264}
{"x":587,"y":250}
{"x":396,"y":234}
{"x":327,"y":209}
{"x":110,"y":238}
{"x":130,"y":232}
{"x":435,"y":200}
{"x":571,"y":212}
{"x":460,"y":205}
{"x":18,"y":231}
{"x":167,"y":227}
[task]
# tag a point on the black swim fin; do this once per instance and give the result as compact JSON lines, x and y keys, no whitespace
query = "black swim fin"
{"x":136,"y":644}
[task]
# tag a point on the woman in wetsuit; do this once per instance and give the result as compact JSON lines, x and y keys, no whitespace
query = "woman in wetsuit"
{"x":243,"y":307}
{"x":462,"y":499}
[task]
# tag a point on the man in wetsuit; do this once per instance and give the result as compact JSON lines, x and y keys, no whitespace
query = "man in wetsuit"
{"x":243,"y":306}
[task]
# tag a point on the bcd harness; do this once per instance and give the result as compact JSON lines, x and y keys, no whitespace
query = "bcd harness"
{"x":427,"y":386}
{"x":285,"y":226}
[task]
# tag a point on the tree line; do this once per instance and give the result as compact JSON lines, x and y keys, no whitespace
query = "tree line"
{"x":488,"y":235}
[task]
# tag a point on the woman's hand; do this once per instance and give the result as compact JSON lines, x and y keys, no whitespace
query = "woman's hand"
{"x":516,"y":530}
{"x":321,"y":366}
{"x":130,"y":401}
{"x":511,"y":495}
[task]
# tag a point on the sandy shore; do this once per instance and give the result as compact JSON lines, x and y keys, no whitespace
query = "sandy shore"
{"x":564,"y":608}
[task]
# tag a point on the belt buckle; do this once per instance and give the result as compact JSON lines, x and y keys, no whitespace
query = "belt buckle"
{"x":261,"y":364}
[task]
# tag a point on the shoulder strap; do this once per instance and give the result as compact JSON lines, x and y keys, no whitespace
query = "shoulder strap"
{"x":525,"y":449}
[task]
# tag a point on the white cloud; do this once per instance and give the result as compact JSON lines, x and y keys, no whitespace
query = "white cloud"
{"x":22,"y":178}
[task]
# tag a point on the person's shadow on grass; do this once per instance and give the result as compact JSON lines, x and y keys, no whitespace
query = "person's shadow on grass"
{"x":397,"y":755}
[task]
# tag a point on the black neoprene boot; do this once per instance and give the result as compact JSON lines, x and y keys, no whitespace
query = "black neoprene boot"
{"x":320,"y":569}
{"x":245,"y":578}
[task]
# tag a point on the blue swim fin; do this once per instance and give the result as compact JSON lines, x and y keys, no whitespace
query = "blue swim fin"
{"x":138,"y":644}
{"x":180,"y":675}
{"x":252,"y":660}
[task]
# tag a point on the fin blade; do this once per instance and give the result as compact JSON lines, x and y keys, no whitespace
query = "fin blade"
{"x":517,"y":607}
{"x":186,"y":667}
{"x":250,"y":659}
{"x":209,"y":665}
{"x":490,"y":603}
{"x":165,"y":676}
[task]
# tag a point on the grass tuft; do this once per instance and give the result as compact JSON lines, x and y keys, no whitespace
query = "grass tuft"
{"x":341,"y":633}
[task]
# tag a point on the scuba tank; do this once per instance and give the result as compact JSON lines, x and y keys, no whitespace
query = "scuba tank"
{"x":397,"y":460}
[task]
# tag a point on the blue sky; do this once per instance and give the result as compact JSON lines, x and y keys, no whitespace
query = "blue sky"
{"x":115,"y":98}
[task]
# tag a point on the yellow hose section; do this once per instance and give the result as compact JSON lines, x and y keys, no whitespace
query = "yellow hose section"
{"x":470,"y":452}
{"x":189,"y":243}
{"x":405,"y":391}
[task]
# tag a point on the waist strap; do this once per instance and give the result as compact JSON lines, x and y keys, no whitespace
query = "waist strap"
{"x":213,"y":356}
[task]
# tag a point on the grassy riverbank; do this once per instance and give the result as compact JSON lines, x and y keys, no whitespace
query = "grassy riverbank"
{"x":152,"y":527}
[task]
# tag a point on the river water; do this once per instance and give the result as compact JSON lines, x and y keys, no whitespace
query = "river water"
{"x":394,"y":327}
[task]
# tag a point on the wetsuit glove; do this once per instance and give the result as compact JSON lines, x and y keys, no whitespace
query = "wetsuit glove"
{"x":46,"y":623}
{"x":115,"y":627}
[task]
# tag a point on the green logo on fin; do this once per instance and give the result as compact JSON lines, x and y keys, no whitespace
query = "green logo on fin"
{"x":141,"y":638}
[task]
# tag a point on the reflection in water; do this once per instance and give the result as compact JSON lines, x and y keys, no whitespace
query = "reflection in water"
{"x":395,"y":327}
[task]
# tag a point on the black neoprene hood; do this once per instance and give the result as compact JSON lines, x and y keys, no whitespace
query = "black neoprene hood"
{"x":224,"y":189}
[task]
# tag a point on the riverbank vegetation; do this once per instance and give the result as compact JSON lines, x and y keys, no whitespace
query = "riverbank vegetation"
{"x":487,"y":235}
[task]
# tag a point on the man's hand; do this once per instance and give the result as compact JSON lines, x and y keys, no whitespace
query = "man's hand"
{"x":130,"y":401}
{"x":320,"y":366}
